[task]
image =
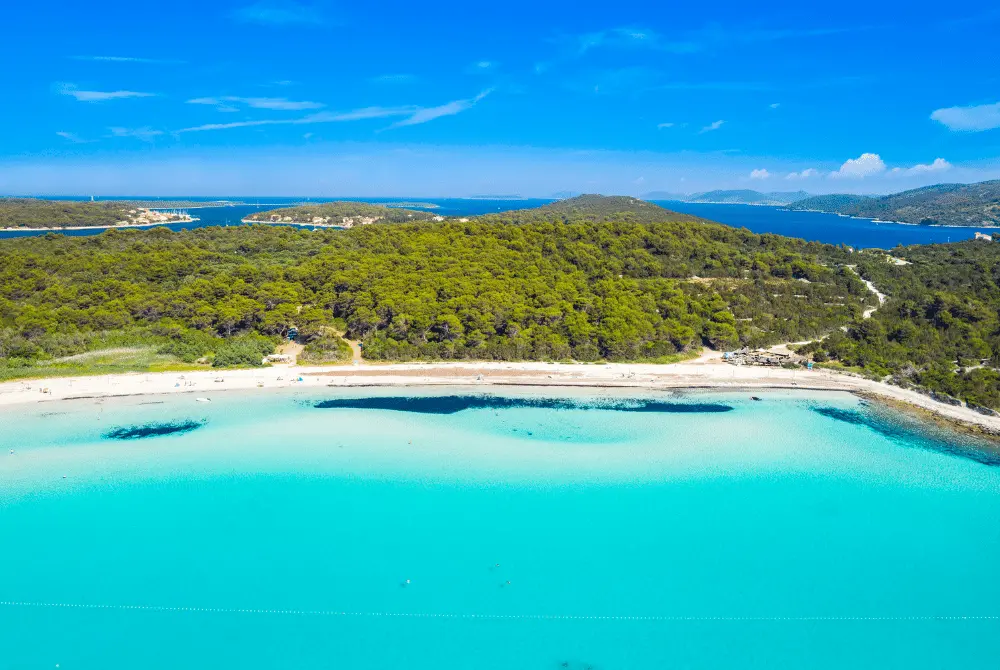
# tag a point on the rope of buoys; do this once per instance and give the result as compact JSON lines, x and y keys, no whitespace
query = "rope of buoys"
{"x":490,"y":617}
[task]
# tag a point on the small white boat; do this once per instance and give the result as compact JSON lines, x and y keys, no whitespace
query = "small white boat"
{"x":202,"y":400}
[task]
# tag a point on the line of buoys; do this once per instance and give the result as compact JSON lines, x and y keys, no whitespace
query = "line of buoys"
{"x":489,"y":617}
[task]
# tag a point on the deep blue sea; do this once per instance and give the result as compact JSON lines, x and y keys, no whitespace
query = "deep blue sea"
{"x":814,"y":226}
{"x":427,"y":529}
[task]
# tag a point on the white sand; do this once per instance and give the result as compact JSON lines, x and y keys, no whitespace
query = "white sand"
{"x":705,"y":372}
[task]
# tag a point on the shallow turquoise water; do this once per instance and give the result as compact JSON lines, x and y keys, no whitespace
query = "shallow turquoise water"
{"x":801,"y":531}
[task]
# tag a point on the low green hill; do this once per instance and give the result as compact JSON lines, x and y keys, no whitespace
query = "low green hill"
{"x":591,"y":207}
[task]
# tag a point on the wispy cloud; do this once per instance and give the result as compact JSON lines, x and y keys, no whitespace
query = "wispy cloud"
{"x":627,"y":38}
{"x":72,"y":137}
{"x":145,"y":133}
{"x":865,"y":165}
{"x":976,"y":118}
{"x":320,"y":117}
{"x":413,"y":114}
{"x":754,"y":35}
{"x":130,"y":59}
{"x":695,"y":41}
{"x":280,"y":13}
{"x":394,"y":79}
{"x":774,"y":105}
{"x":283,"y":104}
{"x":760,"y":174}
{"x":99,"y":96}
{"x":448,"y":109}
{"x":715,"y":125}
{"x":712,"y":86}
{"x":981,"y":20}
{"x":668,"y":124}
{"x":482,"y":67}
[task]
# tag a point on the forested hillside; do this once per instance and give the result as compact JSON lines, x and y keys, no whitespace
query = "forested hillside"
{"x":554,"y":286}
{"x":939,"y":327}
{"x":942,"y":204}
{"x":31,"y":213}
{"x":837,"y":202}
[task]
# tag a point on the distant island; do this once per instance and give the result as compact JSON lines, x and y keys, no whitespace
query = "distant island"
{"x":410,"y":205}
{"x":731,"y":197}
{"x":938,"y":205}
{"x":35,"y":214}
{"x":488,"y":196}
{"x":339,"y":214}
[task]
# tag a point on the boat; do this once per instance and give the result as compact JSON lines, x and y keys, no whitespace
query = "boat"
{"x":753,"y":397}
{"x":202,"y":400}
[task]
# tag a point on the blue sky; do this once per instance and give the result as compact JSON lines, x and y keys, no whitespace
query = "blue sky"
{"x":451,"y":99}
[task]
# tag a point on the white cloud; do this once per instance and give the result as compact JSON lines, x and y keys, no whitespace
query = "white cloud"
{"x":971,"y":119}
{"x":99,"y":96}
{"x":145,"y":134}
{"x":938,"y":165}
{"x":281,"y":104}
{"x":661,"y":126}
{"x":71,"y":137}
{"x":760,"y":174}
{"x":715,"y":125}
{"x":865,"y":165}
{"x":774,"y":105}
{"x":279,"y":13}
{"x":805,"y":174}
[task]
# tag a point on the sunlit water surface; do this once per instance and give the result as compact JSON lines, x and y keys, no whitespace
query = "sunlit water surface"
{"x":421,"y":529}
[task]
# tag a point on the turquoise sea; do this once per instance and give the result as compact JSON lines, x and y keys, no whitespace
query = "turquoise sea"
{"x":516,"y":529}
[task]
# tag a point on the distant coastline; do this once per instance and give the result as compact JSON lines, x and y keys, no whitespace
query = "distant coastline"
{"x":303,"y":224}
{"x":55,"y":229}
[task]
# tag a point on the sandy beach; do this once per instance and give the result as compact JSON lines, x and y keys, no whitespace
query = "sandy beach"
{"x":706,"y":372}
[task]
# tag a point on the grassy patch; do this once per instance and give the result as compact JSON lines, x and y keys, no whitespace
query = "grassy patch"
{"x":102,"y":362}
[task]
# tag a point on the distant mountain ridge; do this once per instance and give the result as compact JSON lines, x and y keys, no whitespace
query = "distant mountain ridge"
{"x":942,"y":204}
